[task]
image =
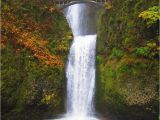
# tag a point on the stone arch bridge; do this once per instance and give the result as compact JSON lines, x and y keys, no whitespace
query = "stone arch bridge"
{"x":61,"y":4}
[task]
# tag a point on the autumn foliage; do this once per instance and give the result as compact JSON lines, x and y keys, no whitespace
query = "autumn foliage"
{"x":20,"y":33}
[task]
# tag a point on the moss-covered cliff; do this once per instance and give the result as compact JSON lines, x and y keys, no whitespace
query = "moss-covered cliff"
{"x":127,"y":60}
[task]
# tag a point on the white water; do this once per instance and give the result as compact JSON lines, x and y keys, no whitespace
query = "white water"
{"x":81,"y":76}
{"x":80,"y":70}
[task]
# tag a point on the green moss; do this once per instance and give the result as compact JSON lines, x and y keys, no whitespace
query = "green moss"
{"x":127,"y":70}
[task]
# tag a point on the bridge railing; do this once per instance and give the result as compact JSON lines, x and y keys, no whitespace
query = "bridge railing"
{"x":63,"y":2}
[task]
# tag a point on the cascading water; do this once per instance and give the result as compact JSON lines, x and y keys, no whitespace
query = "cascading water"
{"x":81,"y":64}
{"x":80,"y":70}
{"x":81,"y":76}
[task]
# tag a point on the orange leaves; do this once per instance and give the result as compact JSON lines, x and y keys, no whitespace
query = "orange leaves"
{"x":20,"y":37}
{"x":52,"y":9}
{"x":42,"y":53}
{"x":3,"y":41}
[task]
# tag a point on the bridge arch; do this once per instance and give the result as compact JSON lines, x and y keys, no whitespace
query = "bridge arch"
{"x":69,"y":3}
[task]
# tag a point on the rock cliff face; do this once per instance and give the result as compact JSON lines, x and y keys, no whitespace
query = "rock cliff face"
{"x":127,"y":60}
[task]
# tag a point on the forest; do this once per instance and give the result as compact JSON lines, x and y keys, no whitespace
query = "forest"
{"x":35,"y":42}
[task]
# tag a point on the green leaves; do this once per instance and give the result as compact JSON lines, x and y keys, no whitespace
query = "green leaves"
{"x":116,"y":53}
{"x":127,"y":64}
{"x":150,"y":50}
{"x":151,"y":15}
{"x":143,"y":51}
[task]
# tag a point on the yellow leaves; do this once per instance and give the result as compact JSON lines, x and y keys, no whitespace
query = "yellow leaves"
{"x":151,"y":15}
{"x":143,"y":14}
{"x":108,"y":5}
{"x":69,"y":36}
{"x":62,"y":48}
{"x":158,"y":48}
{"x":6,"y":8}
{"x":43,"y":42}
{"x":147,"y":15}
{"x":151,"y":45}
{"x":47,"y":99}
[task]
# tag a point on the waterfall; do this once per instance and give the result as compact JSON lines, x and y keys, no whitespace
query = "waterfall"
{"x":80,"y":71}
{"x":81,"y":76}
